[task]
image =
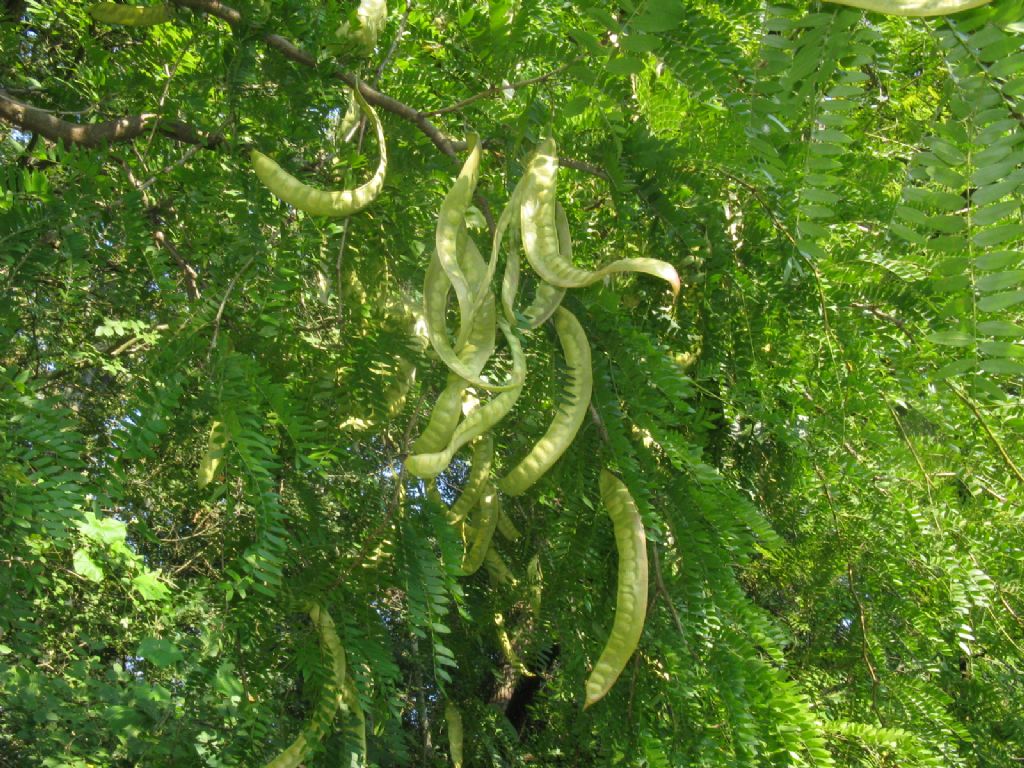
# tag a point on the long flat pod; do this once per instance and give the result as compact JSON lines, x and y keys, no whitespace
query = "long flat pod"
{"x":566,"y":423}
{"x":451,"y":222}
{"x":914,"y":7}
{"x":547,"y":297}
{"x":631,"y":595}
{"x":482,"y":530}
{"x":474,"y":346}
{"x":453,"y":718}
{"x":211,"y":461}
{"x":323,"y":715}
{"x":319,"y":202}
{"x":435,"y":304}
{"x":131,"y":15}
{"x":479,"y":475}
{"x":540,"y":232}
{"x":427,"y":465}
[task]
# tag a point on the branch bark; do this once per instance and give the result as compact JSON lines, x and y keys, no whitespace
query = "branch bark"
{"x":48,"y":125}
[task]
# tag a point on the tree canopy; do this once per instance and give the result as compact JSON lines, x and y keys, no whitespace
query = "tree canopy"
{"x":216,"y":548}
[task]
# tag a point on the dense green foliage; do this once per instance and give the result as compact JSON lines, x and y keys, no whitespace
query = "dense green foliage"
{"x":822,"y":433}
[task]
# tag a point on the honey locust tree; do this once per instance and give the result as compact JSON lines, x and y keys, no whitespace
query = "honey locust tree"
{"x":208,"y":395}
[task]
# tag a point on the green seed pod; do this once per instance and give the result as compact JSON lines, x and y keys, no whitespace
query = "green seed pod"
{"x":568,"y":419}
{"x":631,"y":595}
{"x":479,"y":475}
{"x":428,"y":465}
{"x":211,"y":461}
{"x":482,"y":530}
{"x":327,"y":707}
{"x":318,"y":202}
{"x":540,"y":232}
{"x":507,"y":528}
{"x":453,"y":718}
{"x":131,"y":15}
{"x":914,"y":7}
{"x":498,"y":572}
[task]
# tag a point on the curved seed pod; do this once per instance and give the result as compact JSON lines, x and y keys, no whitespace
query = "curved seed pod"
{"x":540,"y":233}
{"x":326,"y":709}
{"x":211,"y":461}
{"x":131,"y":15}
{"x":453,"y":718}
{"x":427,"y":465}
{"x":482,"y":530}
{"x":507,"y":528}
{"x":631,"y":595}
{"x":395,"y":394}
{"x":451,"y":224}
{"x":318,"y":202}
{"x":913,"y":7}
{"x":372,"y":16}
{"x":510,"y":280}
{"x":350,"y":703}
{"x":479,"y":475}
{"x":474,"y":347}
{"x":347,"y":124}
{"x":547,"y":297}
{"x":435,"y":304}
{"x":497,"y":570}
{"x":568,"y":419}
{"x":443,"y":418}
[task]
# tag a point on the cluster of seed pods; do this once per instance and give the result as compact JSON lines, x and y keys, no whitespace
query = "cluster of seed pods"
{"x":459,"y":419}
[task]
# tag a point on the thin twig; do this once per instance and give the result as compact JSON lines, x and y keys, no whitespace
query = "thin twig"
{"x":495,"y":90}
{"x":223,"y":303}
{"x":991,"y":435}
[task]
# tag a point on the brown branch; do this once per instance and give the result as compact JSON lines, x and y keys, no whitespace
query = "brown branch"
{"x":191,"y":288}
{"x":292,"y":52}
{"x":46,"y":124}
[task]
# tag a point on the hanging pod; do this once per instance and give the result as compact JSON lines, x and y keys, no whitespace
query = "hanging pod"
{"x":631,"y":594}
{"x":319,"y":202}
{"x":914,"y":7}
{"x":568,"y":419}
{"x":540,"y":232}
{"x":131,"y":15}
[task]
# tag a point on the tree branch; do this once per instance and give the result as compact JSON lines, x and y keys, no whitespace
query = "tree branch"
{"x":46,"y":124}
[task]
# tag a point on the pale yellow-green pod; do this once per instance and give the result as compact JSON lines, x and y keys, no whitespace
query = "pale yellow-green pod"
{"x":538,"y":218}
{"x":211,"y":461}
{"x":131,"y":15}
{"x":350,"y":704}
{"x":481,"y":530}
{"x":507,"y":528}
{"x":477,"y":343}
{"x":428,"y":465}
{"x":569,"y":417}
{"x":319,"y":202}
{"x":631,"y":593}
{"x":327,"y":707}
{"x":497,"y":570}
{"x":372,"y":15}
{"x":479,"y":476}
{"x":451,"y":227}
{"x":347,"y":124}
{"x":914,"y":7}
{"x":453,"y":718}
{"x":474,"y":346}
